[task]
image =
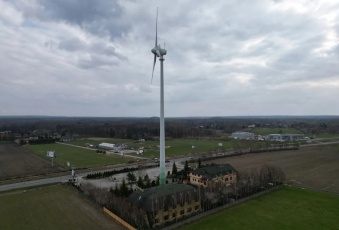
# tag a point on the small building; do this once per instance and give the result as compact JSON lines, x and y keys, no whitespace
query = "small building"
{"x":243,"y":135}
{"x":167,"y":203}
{"x":211,"y":175}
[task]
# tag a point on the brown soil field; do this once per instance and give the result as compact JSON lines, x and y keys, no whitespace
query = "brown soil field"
{"x":16,"y":162}
{"x":309,"y":167}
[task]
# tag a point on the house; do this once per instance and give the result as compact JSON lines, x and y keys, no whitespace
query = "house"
{"x":167,"y":203}
{"x":211,"y":175}
{"x":5,"y":135}
{"x":66,"y":138}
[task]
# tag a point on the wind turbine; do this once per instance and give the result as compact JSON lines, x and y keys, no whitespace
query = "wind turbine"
{"x":160,"y":52}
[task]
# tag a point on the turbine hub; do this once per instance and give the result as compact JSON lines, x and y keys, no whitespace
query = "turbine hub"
{"x":158,"y":51}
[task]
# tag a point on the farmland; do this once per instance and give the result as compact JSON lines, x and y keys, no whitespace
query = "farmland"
{"x":78,"y":157}
{"x":18,"y":162}
{"x":175,"y":147}
{"x":309,"y":167}
{"x":52,"y":207}
{"x":289,"y":208}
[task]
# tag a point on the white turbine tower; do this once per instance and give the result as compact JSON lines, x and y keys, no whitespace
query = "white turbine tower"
{"x":160,"y":52}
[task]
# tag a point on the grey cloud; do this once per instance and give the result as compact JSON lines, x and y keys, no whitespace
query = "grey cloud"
{"x":94,"y":61}
{"x":99,"y":53}
{"x":72,"y":44}
{"x":227,"y":58}
{"x":102,"y":17}
{"x":108,"y":50}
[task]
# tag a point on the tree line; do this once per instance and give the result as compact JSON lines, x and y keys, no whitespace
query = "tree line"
{"x":105,"y":174}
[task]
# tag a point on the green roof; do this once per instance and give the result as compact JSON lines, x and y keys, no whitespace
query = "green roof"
{"x":211,"y":171}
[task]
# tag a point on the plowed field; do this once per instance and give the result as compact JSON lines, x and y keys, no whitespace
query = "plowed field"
{"x":309,"y":167}
{"x":17,"y":162}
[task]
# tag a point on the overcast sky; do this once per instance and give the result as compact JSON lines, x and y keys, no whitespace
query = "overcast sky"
{"x":224,"y":58}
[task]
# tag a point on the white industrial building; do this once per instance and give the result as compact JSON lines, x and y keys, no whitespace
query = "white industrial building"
{"x":114,"y":147}
{"x":242,"y":135}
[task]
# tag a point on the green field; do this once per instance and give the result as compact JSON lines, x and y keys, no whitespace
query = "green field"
{"x":174,"y":147}
{"x":289,"y":208}
{"x":78,"y":157}
{"x":52,"y":207}
{"x":266,"y":131}
{"x":183,"y":147}
{"x":324,"y":135}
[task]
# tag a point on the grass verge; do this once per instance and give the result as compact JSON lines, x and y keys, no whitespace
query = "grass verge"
{"x":288,"y":208}
{"x":52,"y":207}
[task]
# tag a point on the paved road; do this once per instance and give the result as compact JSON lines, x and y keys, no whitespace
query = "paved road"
{"x":51,"y":180}
{"x":32,"y":183}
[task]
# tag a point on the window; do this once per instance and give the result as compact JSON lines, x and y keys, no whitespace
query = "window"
{"x":189,"y":209}
{"x":182,"y":212}
{"x":173,"y":215}
{"x":156,"y":220}
{"x":166,"y":217}
{"x":230,"y":178}
{"x":226,"y":179}
{"x":196,"y":207}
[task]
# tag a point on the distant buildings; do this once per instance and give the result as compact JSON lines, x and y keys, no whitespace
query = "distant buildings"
{"x":269,"y":137}
{"x":242,"y":135}
{"x":5,"y":135}
{"x":285,"y":137}
{"x":208,"y":176}
{"x":167,"y":203}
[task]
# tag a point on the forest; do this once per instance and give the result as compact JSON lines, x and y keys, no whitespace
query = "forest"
{"x":148,"y":128}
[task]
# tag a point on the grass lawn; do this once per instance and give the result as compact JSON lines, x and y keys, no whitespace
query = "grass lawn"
{"x":289,"y":208}
{"x":52,"y":207}
{"x":266,"y":131}
{"x":78,"y":157}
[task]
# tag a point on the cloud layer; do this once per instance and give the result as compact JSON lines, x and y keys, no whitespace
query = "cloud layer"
{"x":92,"y":58}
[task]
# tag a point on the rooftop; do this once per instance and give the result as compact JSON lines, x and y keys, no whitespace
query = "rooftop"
{"x":214,"y":170}
{"x":168,"y":195}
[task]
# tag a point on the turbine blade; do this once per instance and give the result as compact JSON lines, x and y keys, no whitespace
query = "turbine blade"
{"x":155,"y":59}
{"x":156,"y":29}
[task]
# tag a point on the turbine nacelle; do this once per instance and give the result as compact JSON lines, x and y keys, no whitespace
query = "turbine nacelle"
{"x":158,"y":51}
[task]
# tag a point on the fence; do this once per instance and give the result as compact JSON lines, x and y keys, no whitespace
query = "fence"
{"x":121,"y":221}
